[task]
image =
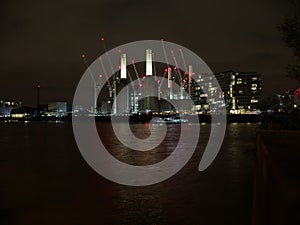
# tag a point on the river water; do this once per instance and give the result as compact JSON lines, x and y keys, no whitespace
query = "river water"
{"x":45,"y":180}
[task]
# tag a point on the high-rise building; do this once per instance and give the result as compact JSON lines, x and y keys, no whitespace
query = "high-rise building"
{"x":241,"y":91}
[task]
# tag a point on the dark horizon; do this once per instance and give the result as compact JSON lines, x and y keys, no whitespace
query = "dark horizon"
{"x":42,"y":43}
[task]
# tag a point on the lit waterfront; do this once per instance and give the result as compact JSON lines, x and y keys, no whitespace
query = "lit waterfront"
{"x":45,"y":180}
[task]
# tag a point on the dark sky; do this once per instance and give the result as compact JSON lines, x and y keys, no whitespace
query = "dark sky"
{"x":41,"y":41}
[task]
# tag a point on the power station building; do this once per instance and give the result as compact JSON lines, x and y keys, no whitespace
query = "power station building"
{"x":241,"y":91}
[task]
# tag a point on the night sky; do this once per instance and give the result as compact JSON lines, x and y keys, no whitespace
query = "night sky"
{"x":41,"y":41}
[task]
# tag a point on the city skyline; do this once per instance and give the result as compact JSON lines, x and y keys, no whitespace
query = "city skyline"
{"x":42,"y":43}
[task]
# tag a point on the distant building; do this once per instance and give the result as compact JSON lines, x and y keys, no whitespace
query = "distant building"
{"x":7,"y":106}
{"x":57,"y":109}
{"x":23,"y":112}
{"x":241,"y":91}
{"x":5,"y":103}
{"x":285,"y":99}
{"x":201,"y":86}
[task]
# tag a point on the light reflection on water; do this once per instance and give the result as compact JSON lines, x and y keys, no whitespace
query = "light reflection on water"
{"x":44,"y":179}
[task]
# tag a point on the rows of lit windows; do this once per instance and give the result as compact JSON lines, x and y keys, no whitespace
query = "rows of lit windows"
{"x":9,"y":103}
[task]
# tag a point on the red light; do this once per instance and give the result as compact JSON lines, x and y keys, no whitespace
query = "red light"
{"x":100,"y":75}
{"x":158,"y":81}
{"x":166,"y":70}
{"x":175,"y":68}
{"x":102,"y":39}
{"x":119,"y":50}
{"x":38,"y":86}
{"x":141,"y":85}
{"x":83,"y":55}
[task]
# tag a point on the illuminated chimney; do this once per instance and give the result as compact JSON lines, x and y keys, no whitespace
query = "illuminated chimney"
{"x":149,"y":62}
{"x":169,"y":77}
{"x":123,"y":67}
{"x":170,"y":86}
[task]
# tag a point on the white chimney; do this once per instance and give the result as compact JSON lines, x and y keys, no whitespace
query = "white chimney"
{"x":149,"y":62}
{"x":123,"y":67}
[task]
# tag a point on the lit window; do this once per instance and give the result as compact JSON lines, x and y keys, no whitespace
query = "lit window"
{"x":239,"y":80}
{"x":198,"y":107}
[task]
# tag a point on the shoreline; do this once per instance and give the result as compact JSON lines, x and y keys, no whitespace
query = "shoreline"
{"x":135,"y":118}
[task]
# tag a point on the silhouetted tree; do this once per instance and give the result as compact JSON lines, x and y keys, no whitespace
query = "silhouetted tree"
{"x":290,"y":30}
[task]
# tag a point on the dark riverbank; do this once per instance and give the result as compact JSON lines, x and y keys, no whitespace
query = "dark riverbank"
{"x":277,"y":183}
{"x":143,"y":118}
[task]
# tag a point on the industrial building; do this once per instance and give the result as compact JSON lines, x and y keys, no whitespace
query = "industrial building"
{"x":241,"y":91}
{"x":57,"y":109}
{"x":6,"y":107}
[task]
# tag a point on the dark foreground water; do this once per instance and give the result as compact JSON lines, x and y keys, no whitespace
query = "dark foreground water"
{"x":44,"y":180}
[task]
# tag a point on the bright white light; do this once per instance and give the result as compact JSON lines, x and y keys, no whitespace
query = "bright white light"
{"x":149,"y":62}
{"x":123,"y":66}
